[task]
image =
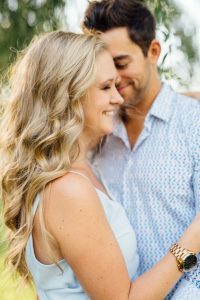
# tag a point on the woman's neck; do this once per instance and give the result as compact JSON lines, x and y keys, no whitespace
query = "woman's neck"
{"x":86,"y":144}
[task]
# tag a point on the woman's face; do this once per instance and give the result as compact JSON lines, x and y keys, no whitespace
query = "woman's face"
{"x":103,"y":98}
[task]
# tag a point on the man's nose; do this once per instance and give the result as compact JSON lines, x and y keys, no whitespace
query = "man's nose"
{"x":118,"y":80}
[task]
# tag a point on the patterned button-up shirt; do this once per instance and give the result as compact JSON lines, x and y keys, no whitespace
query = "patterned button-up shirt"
{"x":158,"y":181}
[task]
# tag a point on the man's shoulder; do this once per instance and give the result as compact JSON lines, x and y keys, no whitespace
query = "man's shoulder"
{"x":187,"y":115}
{"x":187,"y":108}
{"x":187,"y":102}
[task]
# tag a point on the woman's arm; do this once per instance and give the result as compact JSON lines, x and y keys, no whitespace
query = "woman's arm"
{"x":79,"y":224}
{"x":159,"y":280}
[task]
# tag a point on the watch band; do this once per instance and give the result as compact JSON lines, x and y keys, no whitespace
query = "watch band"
{"x":178,"y":251}
{"x":181,"y":254}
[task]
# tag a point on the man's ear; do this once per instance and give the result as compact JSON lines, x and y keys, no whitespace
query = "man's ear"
{"x":154,"y":51}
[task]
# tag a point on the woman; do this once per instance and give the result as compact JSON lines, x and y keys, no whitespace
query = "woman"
{"x":65,"y":231}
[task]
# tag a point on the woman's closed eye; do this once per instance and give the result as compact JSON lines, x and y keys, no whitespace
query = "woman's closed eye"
{"x":107,"y":87}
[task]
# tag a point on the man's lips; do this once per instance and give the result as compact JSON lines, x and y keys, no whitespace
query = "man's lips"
{"x":122,"y":87}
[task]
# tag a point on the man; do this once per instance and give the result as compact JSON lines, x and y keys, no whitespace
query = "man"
{"x":151,"y":162}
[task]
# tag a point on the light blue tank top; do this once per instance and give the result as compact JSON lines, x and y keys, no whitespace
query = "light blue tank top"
{"x":52,"y":284}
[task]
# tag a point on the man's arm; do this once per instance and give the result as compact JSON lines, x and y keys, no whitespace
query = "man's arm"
{"x":195,"y":95}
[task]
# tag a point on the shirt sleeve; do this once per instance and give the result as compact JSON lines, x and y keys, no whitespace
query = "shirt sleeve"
{"x":196,"y":171}
{"x":194,"y":276}
{"x":186,"y":291}
{"x":191,"y":125}
{"x":193,"y":139}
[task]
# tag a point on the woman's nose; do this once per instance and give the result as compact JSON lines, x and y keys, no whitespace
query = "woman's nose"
{"x":116,"y":97}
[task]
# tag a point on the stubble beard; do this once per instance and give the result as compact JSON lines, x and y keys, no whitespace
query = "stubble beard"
{"x":128,"y":109}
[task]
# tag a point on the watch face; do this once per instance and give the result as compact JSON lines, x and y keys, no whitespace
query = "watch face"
{"x":189,"y":262}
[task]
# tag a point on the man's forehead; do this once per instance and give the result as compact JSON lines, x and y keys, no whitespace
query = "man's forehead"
{"x":116,"y":31}
{"x":118,"y":41}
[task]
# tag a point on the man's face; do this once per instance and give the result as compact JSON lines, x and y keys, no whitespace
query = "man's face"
{"x":133,"y":67}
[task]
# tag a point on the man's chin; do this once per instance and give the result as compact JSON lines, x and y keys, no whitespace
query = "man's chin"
{"x":125,"y":93}
{"x":128,"y":95}
{"x":131,"y":98}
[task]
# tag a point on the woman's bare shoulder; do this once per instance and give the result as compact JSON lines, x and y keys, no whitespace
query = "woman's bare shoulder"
{"x":69,"y":193}
{"x":72,"y":185}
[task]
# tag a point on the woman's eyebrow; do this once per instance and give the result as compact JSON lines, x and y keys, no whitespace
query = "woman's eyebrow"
{"x":110,"y":80}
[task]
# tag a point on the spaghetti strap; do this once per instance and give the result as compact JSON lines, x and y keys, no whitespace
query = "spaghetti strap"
{"x":81,"y":174}
{"x":84,"y":176}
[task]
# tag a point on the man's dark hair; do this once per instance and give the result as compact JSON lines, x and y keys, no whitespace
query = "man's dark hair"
{"x":132,"y":14}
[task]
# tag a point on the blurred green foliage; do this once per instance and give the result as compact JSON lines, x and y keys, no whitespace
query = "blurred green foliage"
{"x":10,"y":288}
{"x":21,"y":19}
{"x":168,"y":17}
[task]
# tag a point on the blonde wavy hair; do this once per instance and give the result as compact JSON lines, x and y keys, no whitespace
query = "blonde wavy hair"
{"x":41,"y":126}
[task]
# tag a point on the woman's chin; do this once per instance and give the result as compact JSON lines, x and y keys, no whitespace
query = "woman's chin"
{"x":108,"y":130}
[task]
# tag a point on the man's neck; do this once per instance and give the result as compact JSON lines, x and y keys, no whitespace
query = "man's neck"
{"x":148,"y":98}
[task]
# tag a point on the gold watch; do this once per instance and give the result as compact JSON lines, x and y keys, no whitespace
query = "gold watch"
{"x":186,"y":259}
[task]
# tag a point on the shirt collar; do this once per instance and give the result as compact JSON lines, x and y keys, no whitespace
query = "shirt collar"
{"x":162,"y":107}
